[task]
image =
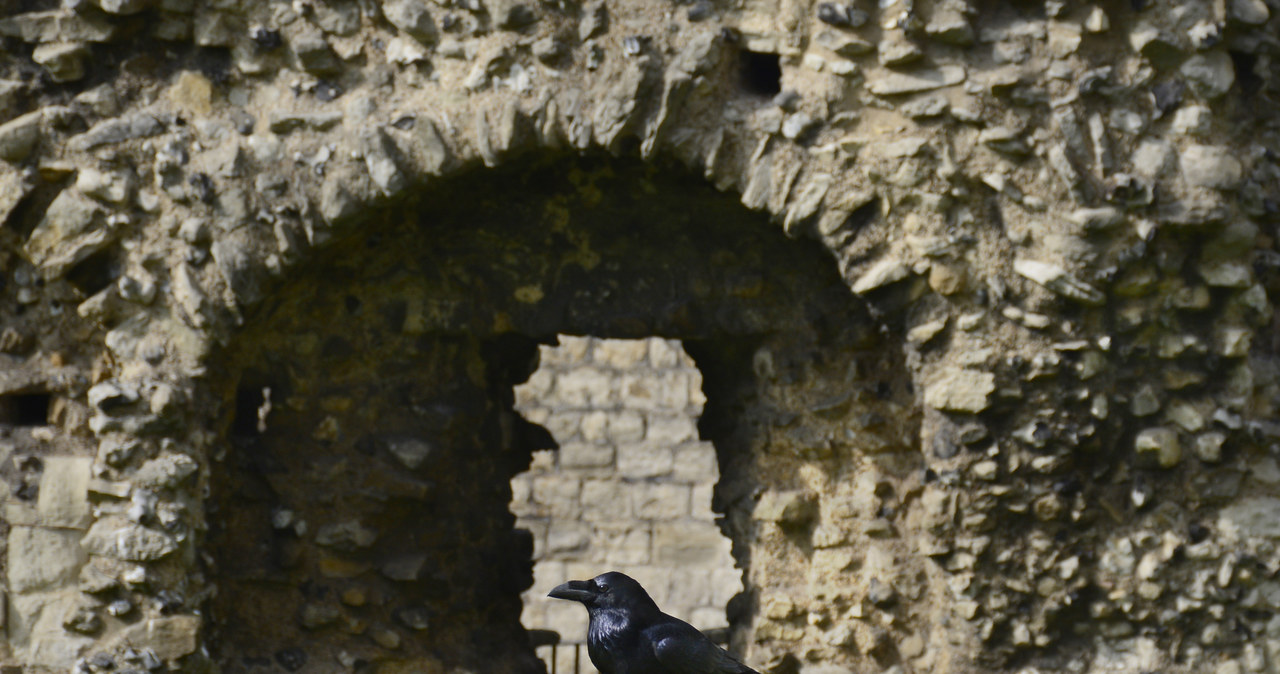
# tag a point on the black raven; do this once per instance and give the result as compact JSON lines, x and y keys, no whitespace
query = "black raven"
{"x":628,"y":634}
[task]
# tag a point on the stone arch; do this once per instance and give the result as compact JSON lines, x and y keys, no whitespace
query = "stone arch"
{"x":441,"y":303}
{"x":1072,"y":231}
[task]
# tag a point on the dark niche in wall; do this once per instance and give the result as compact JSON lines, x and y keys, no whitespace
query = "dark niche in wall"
{"x":360,"y":515}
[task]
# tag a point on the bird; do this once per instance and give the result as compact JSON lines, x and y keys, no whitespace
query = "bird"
{"x":628,"y":634}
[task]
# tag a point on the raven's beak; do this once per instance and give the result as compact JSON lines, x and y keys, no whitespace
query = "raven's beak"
{"x":575,"y":590}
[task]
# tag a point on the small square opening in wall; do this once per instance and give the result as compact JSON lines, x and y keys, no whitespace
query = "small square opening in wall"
{"x":25,"y":409}
{"x":760,"y":72}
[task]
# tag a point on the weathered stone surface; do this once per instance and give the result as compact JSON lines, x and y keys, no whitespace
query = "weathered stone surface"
{"x":412,"y":17}
{"x":1211,"y":166}
{"x":59,"y":25}
{"x":72,"y":229}
{"x":119,"y":538}
{"x":19,"y":136}
{"x":168,"y":638}
{"x":40,"y":558}
{"x":1255,"y":516}
{"x":112,"y":131}
{"x":1211,"y":74}
{"x":1058,"y":280}
{"x":64,"y":492}
{"x":960,"y":390}
{"x":1160,"y":444}
{"x":897,"y":84}
{"x":880,"y":274}
{"x":63,"y":61}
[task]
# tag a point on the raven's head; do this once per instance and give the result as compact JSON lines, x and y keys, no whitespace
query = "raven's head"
{"x":606,"y":591}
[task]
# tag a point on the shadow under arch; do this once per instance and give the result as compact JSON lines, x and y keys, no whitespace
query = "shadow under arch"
{"x":359,"y":516}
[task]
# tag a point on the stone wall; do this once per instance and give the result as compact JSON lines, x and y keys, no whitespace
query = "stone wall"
{"x":980,"y":290}
{"x":630,"y":487}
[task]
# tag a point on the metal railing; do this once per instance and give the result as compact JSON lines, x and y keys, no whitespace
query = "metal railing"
{"x":540,"y":638}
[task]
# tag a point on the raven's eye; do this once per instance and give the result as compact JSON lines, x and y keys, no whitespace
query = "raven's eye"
{"x":602,"y":587}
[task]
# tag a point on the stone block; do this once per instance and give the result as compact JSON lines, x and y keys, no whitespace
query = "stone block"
{"x":64,"y":492}
{"x":700,"y":500}
{"x":576,"y":455}
{"x":594,"y":427}
{"x":36,"y":633}
{"x":571,"y":351}
{"x":621,"y":544}
{"x":41,"y":558}
{"x":707,"y":618}
{"x":695,"y":463}
{"x":169,"y":637}
{"x":622,"y":354}
{"x":644,"y":461}
{"x":534,"y":391}
{"x":567,"y":618}
{"x":601,"y":501}
{"x":567,"y":537}
{"x":557,"y":495}
{"x":546,"y":575}
{"x":689,"y":543}
{"x":668,"y":353}
{"x":689,"y":587}
{"x":562,"y":425}
{"x":670,"y":429}
{"x":625,"y":426}
{"x":585,"y":388}
{"x":660,"y":500}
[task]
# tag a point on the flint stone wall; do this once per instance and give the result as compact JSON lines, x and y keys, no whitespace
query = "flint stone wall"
{"x":1059,"y":219}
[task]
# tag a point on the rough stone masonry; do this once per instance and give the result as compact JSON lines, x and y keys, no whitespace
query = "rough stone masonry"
{"x":999,"y":394}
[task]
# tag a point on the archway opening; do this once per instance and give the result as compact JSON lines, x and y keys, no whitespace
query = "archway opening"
{"x":360,"y":514}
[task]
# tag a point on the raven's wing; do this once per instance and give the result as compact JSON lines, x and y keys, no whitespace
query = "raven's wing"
{"x":682,"y":649}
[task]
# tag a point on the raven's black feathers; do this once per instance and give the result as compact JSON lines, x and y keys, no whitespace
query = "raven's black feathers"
{"x":628,"y":634}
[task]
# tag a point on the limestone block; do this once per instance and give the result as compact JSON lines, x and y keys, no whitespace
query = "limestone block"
{"x":620,"y":353}
{"x":119,"y":538}
{"x":557,"y":495}
{"x":625,"y":426}
{"x":567,"y":536}
{"x":689,"y":543}
{"x":36,"y":633}
{"x":600,"y":501}
{"x":571,"y":351}
{"x":585,"y":387}
{"x":725,"y":583}
{"x":696,"y":462}
{"x":64,"y":492}
{"x":668,"y":391}
{"x":644,"y":461}
{"x":169,"y":637}
{"x":670,"y":429}
{"x":660,"y":500}
{"x":620,"y":544}
{"x":585,"y":455}
{"x":42,"y":558}
{"x":667,"y":353}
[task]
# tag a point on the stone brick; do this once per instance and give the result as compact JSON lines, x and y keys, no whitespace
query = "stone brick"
{"x":622,"y":354}
{"x":626,"y":426}
{"x":667,"y":353}
{"x":689,"y":543}
{"x":594,"y":427}
{"x":42,"y":558}
{"x":696,"y":462}
{"x":649,"y":391}
{"x":621,"y":544}
{"x":547,"y":575}
{"x":571,"y":351}
{"x":563,"y":425}
{"x":64,"y":492}
{"x":690,"y":586}
{"x":700,"y":500}
{"x":536,"y":390}
{"x":670,"y":429}
{"x":585,"y":387}
{"x":660,"y":500}
{"x":557,"y":495}
{"x":644,"y":461}
{"x":601,"y":501}
{"x":568,"y":618}
{"x":36,"y":633}
{"x":585,"y":455}
{"x":567,"y":536}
